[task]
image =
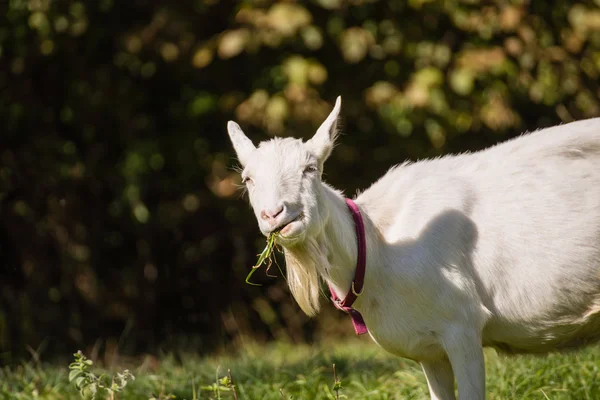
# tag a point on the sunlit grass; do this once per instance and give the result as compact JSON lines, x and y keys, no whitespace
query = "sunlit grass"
{"x":305,"y":372}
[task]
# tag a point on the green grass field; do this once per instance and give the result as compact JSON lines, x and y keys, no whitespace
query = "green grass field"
{"x":303,"y":372}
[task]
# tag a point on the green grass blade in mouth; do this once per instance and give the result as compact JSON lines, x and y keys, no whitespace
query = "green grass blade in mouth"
{"x":262,"y":257}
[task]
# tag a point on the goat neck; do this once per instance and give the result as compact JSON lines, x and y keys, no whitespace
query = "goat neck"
{"x":330,"y":252}
{"x":338,"y":243}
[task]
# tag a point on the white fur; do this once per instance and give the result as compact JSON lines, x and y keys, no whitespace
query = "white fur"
{"x":496,"y":248}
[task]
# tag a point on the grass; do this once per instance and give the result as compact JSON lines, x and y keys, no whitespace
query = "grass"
{"x":264,"y":257}
{"x":283,"y":371}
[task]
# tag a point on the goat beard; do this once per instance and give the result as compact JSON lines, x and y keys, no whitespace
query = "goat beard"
{"x":304,"y":263}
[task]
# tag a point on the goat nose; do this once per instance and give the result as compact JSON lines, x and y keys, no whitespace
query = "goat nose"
{"x":271,"y":214}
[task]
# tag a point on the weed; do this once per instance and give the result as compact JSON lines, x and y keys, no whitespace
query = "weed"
{"x":224,"y":384}
{"x":89,"y":385}
{"x":337,"y":384}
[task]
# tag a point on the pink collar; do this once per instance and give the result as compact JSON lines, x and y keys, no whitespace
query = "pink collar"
{"x":359,"y":275}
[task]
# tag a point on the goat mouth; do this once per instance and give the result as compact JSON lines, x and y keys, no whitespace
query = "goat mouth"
{"x":287,"y":226}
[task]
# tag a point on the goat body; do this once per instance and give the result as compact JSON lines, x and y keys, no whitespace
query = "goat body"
{"x":496,"y":248}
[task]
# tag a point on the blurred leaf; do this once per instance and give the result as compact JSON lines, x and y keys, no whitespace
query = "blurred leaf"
{"x":232,"y":43}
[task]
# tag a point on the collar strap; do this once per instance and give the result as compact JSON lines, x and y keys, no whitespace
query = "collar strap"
{"x":359,"y":275}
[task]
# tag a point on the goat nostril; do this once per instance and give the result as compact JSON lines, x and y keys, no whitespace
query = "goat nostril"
{"x":279,"y":211}
{"x":269,"y":214}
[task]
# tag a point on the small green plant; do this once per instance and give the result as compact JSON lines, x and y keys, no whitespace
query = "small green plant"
{"x":224,"y":384}
{"x":337,"y":384}
{"x":232,"y":385}
{"x":90,"y":385}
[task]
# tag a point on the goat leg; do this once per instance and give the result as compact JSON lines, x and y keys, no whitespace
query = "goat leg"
{"x":440,"y":379}
{"x":463,"y":346}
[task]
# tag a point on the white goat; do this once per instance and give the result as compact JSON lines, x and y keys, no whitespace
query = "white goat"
{"x":496,"y":248}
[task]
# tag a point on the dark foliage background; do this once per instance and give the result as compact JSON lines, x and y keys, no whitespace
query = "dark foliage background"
{"x":120,"y":223}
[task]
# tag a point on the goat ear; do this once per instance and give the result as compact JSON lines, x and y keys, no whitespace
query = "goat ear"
{"x":322,"y":142}
{"x":241,"y":144}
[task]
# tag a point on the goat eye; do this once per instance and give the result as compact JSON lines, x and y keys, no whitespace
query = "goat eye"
{"x":310,"y":169}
